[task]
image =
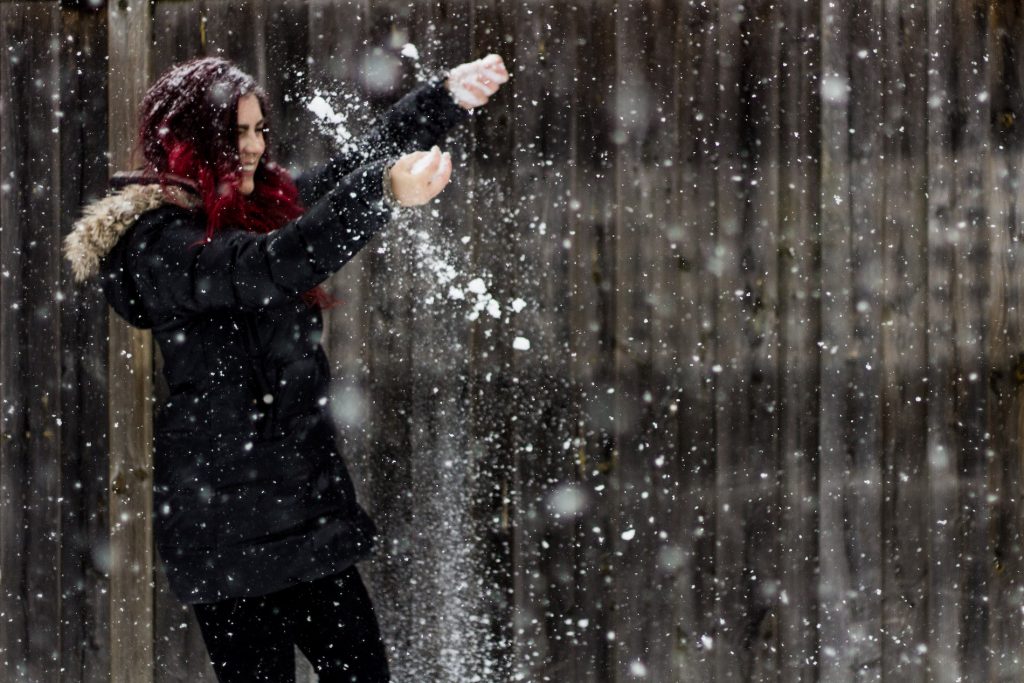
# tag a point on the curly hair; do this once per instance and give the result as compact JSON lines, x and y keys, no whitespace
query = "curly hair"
{"x":188,"y":128}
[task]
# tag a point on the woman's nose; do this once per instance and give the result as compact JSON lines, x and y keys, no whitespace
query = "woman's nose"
{"x":252,"y":144}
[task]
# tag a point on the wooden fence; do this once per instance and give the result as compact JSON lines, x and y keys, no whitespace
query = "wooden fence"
{"x":768,"y":424}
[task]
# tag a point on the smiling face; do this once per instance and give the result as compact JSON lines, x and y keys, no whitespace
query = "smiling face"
{"x":251,"y":144}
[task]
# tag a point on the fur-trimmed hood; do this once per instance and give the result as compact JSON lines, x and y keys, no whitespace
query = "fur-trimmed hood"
{"x":91,"y":247}
{"x":105,"y":220}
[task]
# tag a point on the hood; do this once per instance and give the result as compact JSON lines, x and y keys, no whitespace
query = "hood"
{"x":103,"y":222}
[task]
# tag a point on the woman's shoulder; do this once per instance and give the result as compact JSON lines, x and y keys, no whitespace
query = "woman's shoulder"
{"x":166,"y":221}
{"x":123,"y":216}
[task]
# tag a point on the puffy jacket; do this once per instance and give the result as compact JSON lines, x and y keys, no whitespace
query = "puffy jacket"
{"x":250,"y":493}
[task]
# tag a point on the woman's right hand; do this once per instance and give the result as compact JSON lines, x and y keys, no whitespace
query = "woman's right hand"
{"x":418,"y":177}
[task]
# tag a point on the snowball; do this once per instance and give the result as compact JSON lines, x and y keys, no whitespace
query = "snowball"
{"x":421,"y":165}
{"x":477,"y":286}
{"x":521,"y":344}
{"x":322,"y":110}
{"x":518,"y":304}
{"x":409,"y":50}
{"x":628,"y":534}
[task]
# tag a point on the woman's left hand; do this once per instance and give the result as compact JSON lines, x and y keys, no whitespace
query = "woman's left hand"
{"x":473,"y":83}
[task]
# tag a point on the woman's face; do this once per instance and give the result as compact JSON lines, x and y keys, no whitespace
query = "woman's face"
{"x":250,"y":139}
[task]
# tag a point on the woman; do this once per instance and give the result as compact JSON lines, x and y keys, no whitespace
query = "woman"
{"x":210,"y":246}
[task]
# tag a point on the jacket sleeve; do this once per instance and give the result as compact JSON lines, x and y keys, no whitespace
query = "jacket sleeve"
{"x":178,"y":272}
{"x":417,"y":121}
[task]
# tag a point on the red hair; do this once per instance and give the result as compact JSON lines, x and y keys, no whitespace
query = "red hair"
{"x":188,"y":124}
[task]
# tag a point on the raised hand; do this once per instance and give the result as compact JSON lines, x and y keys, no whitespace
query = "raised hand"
{"x":473,"y":83}
{"x":418,"y":177}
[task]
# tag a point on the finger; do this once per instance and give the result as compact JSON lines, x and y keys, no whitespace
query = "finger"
{"x":427,"y":166}
{"x":495,"y":76}
{"x":498,"y":67}
{"x":443,"y":172}
{"x":478,"y":90}
{"x":466,"y":93}
{"x":485,"y":86}
{"x":407,"y":160}
{"x":466,"y":97}
{"x":437,"y":185}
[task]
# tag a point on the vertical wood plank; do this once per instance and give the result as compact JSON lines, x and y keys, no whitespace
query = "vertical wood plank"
{"x":799,"y":332}
{"x":943,"y":578}
{"x":30,"y":446}
{"x":584,"y":628}
{"x":761,"y":93}
{"x":178,"y":31}
{"x":745,"y":339}
{"x":971,"y":237}
{"x":631,"y":536}
{"x":861,"y":286}
{"x":592,"y":235}
{"x":650,"y":309}
{"x":85,"y":533}
{"x":835,"y":582}
{"x":130,"y":364}
{"x":730,"y":360}
{"x":286,"y":37}
{"x":552,"y":623}
{"x":697,"y":266}
{"x":502,"y":440}
{"x":904,"y":343}
{"x":235,"y":31}
{"x":1006,"y":585}
{"x":548,"y":501}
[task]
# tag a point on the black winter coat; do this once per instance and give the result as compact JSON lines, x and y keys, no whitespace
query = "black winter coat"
{"x":250,"y":493}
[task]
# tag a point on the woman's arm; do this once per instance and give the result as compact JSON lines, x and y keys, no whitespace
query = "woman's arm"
{"x":178,"y":272}
{"x":416,"y":122}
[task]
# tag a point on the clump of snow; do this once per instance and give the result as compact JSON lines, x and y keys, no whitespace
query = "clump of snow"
{"x":323,"y":111}
{"x":333,"y":119}
{"x":409,"y":50}
{"x":638,"y":669}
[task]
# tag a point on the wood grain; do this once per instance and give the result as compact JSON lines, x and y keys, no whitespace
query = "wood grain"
{"x":130,"y":367}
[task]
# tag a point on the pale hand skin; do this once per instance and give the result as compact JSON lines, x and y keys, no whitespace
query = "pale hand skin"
{"x":473,"y":83}
{"x":418,"y":177}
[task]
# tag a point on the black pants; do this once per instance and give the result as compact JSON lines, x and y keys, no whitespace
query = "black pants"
{"x":331,"y":620}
